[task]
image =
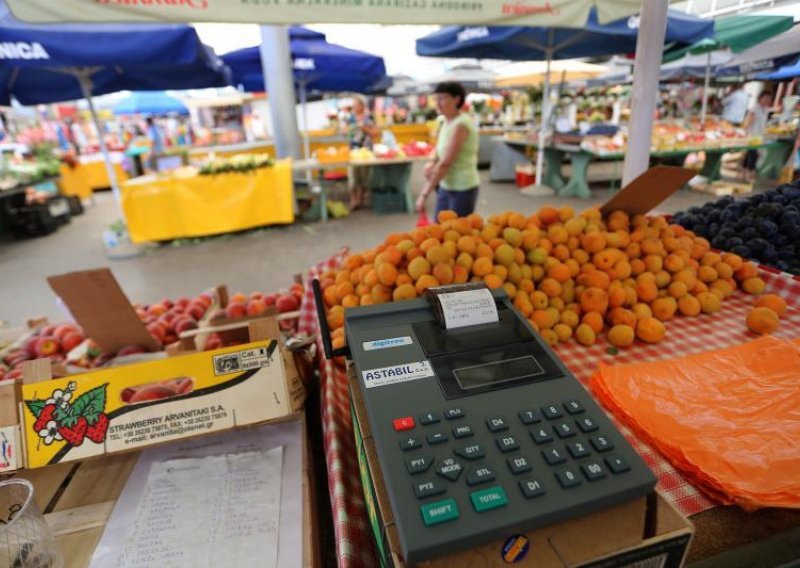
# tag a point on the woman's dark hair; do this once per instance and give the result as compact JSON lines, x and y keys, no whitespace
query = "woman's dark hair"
{"x":454,"y":89}
{"x":765,"y":94}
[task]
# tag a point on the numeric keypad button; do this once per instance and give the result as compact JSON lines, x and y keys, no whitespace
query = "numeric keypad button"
{"x":601,"y":443}
{"x":564,"y":430}
{"x":593,"y":471}
{"x":529,"y":417}
{"x":554,"y":456}
{"x":578,"y":450}
{"x":541,"y":436}
{"x":617,"y":464}
{"x":551,"y":412}
{"x":587,"y":424}
{"x":409,"y":443}
{"x":507,"y":444}
{"x":573,"y":407}
{"x":436,"y":438}
{"x":568,"y":478}
{"x":428,"y":418}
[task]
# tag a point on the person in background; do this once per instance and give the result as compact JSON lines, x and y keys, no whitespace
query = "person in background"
{"x":734,"y":105}
{"x":360,"y":131}
{"x":453,"y":169}
{"x":756,"y":124}
{"x":156,"y":141}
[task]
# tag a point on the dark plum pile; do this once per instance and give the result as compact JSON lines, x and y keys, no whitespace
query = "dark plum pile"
{"x":763,"y":227}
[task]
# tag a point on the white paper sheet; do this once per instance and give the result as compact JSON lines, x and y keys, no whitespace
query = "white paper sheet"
{"x":240,"y":461}
{"x":470,"y":307}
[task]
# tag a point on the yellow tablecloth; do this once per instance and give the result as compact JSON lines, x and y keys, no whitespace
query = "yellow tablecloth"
{"x":158,"y":209}
{"x":82,"y":179}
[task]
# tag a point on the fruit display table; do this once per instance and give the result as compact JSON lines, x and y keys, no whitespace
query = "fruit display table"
{"x":185,"y":204}
{"x":718,"y":528}
{"x":89,"y":175}
{"x":578,"y":186}
{"x":394,"y":172}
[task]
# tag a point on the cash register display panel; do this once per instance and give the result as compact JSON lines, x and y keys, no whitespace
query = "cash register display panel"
{"x":481,"y":433}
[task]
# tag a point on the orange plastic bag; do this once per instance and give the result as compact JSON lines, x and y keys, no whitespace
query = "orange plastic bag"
{"x":728,"y":419}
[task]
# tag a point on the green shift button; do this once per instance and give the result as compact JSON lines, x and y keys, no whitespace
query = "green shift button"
{"x":488,"y":499}
{"x":439,"y":512}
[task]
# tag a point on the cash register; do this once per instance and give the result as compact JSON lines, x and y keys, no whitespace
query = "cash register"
{"x":481,"y":432}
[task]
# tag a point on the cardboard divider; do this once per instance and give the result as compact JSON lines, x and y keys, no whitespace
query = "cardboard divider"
{"x":97,"y":302}
{"x":648,"y":190}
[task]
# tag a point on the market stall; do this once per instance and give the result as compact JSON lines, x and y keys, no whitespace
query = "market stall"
{"x":188,"y":204}
{"x":86,"y":174}
{"x":721,"y":327}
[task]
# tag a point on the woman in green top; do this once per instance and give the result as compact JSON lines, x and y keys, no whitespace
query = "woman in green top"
{"x":453,"y":170}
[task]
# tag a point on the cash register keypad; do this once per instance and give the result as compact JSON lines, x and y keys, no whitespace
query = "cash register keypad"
{"x":560,"y":438}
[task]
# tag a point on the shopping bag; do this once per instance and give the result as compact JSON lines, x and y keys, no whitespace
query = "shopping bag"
{"x":423,"y":220}
{"x":728,"y":419}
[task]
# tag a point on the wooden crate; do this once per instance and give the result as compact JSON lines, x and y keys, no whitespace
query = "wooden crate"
{"x":720,"y":188}
{"x":77,"y":499}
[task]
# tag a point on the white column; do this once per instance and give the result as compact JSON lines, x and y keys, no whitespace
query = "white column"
{"x":276,"y":60}
{"x":647,"y":65}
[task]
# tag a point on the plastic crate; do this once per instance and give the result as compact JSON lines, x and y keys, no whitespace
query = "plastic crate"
{"x":388,"y":200}
{"x":33,"y":221}
{"x":75,"y":205}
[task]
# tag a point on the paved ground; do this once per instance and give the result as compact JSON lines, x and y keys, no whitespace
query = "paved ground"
{"x":263,"y":259}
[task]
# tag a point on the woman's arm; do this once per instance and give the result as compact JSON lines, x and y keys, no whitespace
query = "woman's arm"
{"x":439,"y":170}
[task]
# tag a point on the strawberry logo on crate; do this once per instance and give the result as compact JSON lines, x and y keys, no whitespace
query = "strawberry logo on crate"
{"x":60,"y":418}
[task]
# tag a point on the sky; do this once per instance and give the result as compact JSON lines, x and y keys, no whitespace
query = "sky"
{"x":394,"y":43}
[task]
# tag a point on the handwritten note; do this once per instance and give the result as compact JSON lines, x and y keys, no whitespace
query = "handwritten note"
{"x":211,"y":511}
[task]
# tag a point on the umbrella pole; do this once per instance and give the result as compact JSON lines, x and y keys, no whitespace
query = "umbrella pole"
{"x":86,"y":88}
{"x":304,"y":106}
{"x":540,"y":189}
{"x":704,"y":107}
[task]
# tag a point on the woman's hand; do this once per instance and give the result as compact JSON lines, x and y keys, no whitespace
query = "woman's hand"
{"x":421,"y":202}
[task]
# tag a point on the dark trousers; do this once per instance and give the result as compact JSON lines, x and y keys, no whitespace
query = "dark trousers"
{"x":462,"y":202}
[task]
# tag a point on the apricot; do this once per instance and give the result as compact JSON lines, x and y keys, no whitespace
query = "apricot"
{"x":773,"y":302}
{"x":570,"y":318}
{"x":545,"y":319}
{"x":753,"y":285}
{"x":593,"y":320}
{"x":585,"y":335}
{"x":664,"y":308}
{"x":678,"y":289}
{"x":646,"y":290}
{"x":594,"y":300}
{"x":404,"y":292}
{"x":539,"y":300}
{"x":762,"y":321}
{"x":642,"y":311}
{"x":621,"y":316}
{"x":493,"y":281}
{"x":709,"y":302}
{"x":689,"y":305}
{"x":426,"y":281}
{"x":419,"y":267}
{"x":594,"y":242}
{"x":387,"y":274}
{"x":621,"y":335}
{"x":443,"y":272}
{"x":550,"y":337}
{"x":650,"y":330}
{"x":551,"y":287}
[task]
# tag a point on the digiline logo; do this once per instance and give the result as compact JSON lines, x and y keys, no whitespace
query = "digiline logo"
{"x":472,"y":33}
{"x":197,"y":4}
{"x":22,"y":50}
{"x":304,"y":64}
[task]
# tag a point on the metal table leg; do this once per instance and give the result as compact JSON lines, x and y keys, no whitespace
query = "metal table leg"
{"x":577,"y":185}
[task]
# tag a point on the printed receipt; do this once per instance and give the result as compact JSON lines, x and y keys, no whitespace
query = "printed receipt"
{"x":470,"y":307}
{"x":210,"y":511}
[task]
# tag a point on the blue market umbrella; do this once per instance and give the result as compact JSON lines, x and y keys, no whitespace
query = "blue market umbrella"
{"x":150,"y":102}
{"x":787,"y":72}
{"x":318,"y":66}
{"x":518,"y":43}
{"x":52,"y":63}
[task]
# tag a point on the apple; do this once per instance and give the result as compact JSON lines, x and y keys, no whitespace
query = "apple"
{"x":270,"y":299}
{"x":184,"y":324}
{"x":287,"y":303}
{"x":214,"y":341}
{"x":47,"y":330}
{"x":63,"y":330}
{"x":196,"y":309}
{"x":47,"y":346}
{"x":71,"y":340}
{"x":130,"y":350}
{"x":182,"y":302}
{"x":237,"y":298}
{"x":236,"y":310}
{"x":256,"y":307}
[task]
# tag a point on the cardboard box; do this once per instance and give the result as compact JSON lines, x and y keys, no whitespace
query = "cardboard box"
{"x":135,"y":406}
{"x":644,"y":530}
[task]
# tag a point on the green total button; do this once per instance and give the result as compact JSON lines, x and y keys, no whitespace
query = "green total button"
{"x":439,"y":512}
{"x":488,"y":499}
